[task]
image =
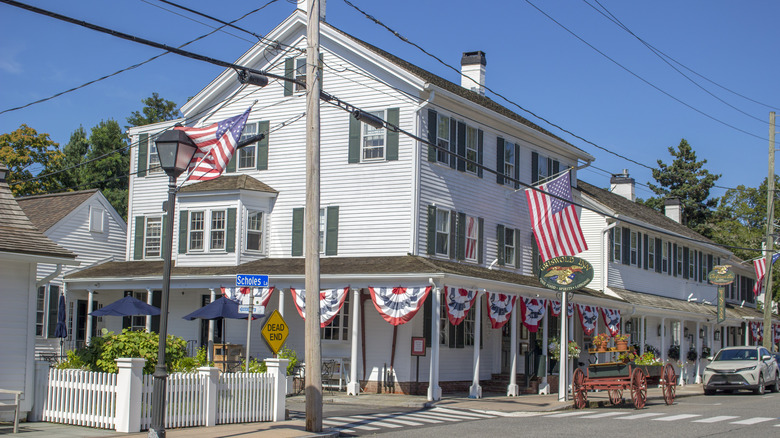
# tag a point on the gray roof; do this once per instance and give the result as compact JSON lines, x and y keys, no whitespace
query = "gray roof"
{"x":46,"y":210}
{"x":19,"y":235}
{"x":228,"y":182}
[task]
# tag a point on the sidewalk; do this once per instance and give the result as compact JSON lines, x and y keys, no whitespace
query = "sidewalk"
{"x":524,"y":405}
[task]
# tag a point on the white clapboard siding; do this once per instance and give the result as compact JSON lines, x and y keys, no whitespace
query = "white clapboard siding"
{"x":245,"y":397}
{"x":17,"y":314}
{"x":82,"y":398}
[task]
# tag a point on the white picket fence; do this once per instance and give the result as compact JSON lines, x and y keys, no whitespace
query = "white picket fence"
{"x":82,"y":398}
{"x":123,"y":401}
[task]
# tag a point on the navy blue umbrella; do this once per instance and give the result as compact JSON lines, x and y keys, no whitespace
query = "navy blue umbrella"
{"x":127,"y":306}
{"x":219,"y":308}
{"x":61,"y":331}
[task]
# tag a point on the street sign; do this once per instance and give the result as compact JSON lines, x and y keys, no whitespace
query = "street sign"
{"x":275,"y":331}
{"x":257,"y":311}
{"x":251,"y":280}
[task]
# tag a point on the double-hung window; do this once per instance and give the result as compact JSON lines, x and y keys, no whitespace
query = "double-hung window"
{"x":680,"y":260}
{"x":634,"y":247}
{"x":472,"y":238}
{"x":664,"y":257}
{"x":471,"y":149}
{"x":443,"y":139}
{"x":218,"y":230}
{"x":373,"y":140}
{"x":442,"y":232}
{"x":153,"y":237}
{"x":651,"y":254}
{"x":338,"y":329}
{"x":509,"y":246}
{"x":154,"y":157}
{"x":617,"y":243}
{"x":254,"y":231}
{"x":197,"y":228}
{"x":247,"y":155}
{"x":692,"y":255}
{"x":300,"y":74}
{"x":509,"y":161}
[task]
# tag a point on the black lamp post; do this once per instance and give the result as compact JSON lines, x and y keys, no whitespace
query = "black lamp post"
{"x":175,"y":150}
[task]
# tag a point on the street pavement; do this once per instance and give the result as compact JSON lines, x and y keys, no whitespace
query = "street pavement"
{"x":449,"y":408}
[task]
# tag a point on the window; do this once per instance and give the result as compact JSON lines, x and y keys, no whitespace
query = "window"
{"x":509,"y":246}
{"x":442,"y":232}
{"x":545,"y":169}
{"x":300,"y":74}
{"x":679,"y":260}
{"x":664,"y":257}
{"x":247,"y":154}
{"x":471,"y":149}
{"x":154,"y":157}
{"x":692,"y":264}
{"x":47,"y":307}
{"x":338,"y":329}
{"x":443,"y":138}
{"x":254,"y":231}
{"x":373,"y":140}
{"x":96,"y":219}
{"x":218,"y":229}
{"x":472,"y":238}
{"x":509,"y":162}
{"x":197,"y":227}
{"x":617,"y":243}
{"x":456,"y":336}
{"x":651,"y":254}
{"x":137,"y":322}
{"x":703,"y":267}
{"x":40,"y":313}
{"x":634,"y":244}
{"x":153,"y":237}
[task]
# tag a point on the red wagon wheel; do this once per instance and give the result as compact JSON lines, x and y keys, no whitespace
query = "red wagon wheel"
{"x":669,"y":383}
{"x":638,"y":388}
{"x":616,"y":396}
{"x":578,"y":388}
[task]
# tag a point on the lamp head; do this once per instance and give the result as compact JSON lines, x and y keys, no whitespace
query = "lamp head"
{"x":175,"y":150}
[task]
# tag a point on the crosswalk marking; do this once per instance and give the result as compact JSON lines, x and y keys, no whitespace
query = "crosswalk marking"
{"x":753,"y":420}
{"x":390,"y":419}
{"x":569,"y":414}
{"x":716,"y":419}
{"x":464,"y":414}
{"x":603,"y":415}
{"x":677,"y":417}
{"x":437,"y":414}
{"x":348,"y":422}
{"x":638,"y":416}
{"x":424,"y":419}
{"x":375,"y":422}
{"x":438,"y":417}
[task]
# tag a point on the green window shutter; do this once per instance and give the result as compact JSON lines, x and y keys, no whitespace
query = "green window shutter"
{"x":461,"y":248}
{"x":454,"y":143}
{"x":393,"y":118}
{"x":480,"y":151}
{"x":184,"y":222}
{"x":674,"y":258}
{"x":54,"y":295}
{"x":231,"y":165}
{"x":230,"y":239}
{"x":453,"y":231}
{"x":143,"y":152}
{"x":626,"y":242}
{"x":433,"y":120}
{"x":500,"y":160}
{"x":556,"y":167}
{"x":452,"y":333}
{"x":534,"y":167}
{"x":517,"y":166}
{"x":672,"y":255}
{"x":709,"y":263}
{"x":658,"y":255}
{"x":262,"y":146}
{"x":534,"y":258}
{"x":427,"y":317}
{"x":461,"y":146}
{"x":431,"y":247}
{"x":460,"y":335}
{"x":517,"y":249}
{"x":686,"y":258}
{"x":289,"y":73}
{"x":480,"y":241}
{"x":354,"y":140}
{"x":332,"y":231}
{"x":500,"y":244}
{"x":645,"y":251}
{"x":297,"y":232}
{"x":138,"y":247}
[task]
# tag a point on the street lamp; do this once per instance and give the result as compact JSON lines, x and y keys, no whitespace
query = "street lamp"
{"x":175,"y":150}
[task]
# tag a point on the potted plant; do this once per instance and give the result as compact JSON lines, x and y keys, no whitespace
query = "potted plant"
{"x":574,"y":350}
{"x":600,"y":342}
{"x":674,"y":352}
{"x":621,"y":342}
{"x":555,"y":350}
{"x":705,"y":352}
{"x":692,"y":355}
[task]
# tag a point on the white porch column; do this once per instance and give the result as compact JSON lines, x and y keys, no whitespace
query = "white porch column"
{"x":210,"y":348}
{"x":642,"y":337}
{"x":149,"y":317}
{"x":698,"y":354}
{"x":513,"y":390}
{"x":711,"y":335}
{"x":353,"y":387}
{"x":434,"y":391}
{"x":747,"y":332}
{"x":683,"y":353}
{"x":475,"y":391}
{"x":544,"y":386}
{"x":663,"y":340}
{"x":281,"y":302}
{"x":88,"y":333}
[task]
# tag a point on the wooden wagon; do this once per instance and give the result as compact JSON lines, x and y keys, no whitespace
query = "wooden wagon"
{"x":615,"y":377}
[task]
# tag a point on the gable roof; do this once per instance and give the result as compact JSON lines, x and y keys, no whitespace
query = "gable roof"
{"x":46,"y":210}
{"x":628,"y":208}
{"x":19,"y":235}
{"x":228,"y":182}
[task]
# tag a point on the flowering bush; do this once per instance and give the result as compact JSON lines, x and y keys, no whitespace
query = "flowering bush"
{"x":621,"y":337}
{"x":647,"y":359}
{"x":600,"y":339}
{"x":628,"y":357}
{"x":555,"y":350}
{"x":649,"y":348}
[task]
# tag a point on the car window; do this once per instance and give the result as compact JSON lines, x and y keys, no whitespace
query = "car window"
{"x":737,"y":354}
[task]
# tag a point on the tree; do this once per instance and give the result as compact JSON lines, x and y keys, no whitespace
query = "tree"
{"x":27,"y":154}
{"x":686,"y":179}
{"x":70,"y":175}
{"x":156,"y":109}
{"x":108,"y":172}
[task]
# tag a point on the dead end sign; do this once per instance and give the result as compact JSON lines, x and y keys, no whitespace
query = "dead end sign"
{"x":275,"y":331}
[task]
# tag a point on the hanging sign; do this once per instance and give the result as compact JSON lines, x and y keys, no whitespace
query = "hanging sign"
{"x":721,"y":275}
{"x":565,"y":273}
{"x":275,"y":331}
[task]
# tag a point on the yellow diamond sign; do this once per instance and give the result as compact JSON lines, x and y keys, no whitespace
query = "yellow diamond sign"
{"x":275,"y":331}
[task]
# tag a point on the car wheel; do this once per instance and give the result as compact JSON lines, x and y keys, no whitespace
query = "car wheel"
{"x":761,"y":386}
{"x":708,"y":391}
{"x":775,"y":386}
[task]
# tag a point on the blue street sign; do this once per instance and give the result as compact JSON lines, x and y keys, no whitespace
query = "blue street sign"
{"x":251,"y":280}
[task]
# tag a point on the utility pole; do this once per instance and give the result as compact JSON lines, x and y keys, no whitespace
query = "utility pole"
{"x":770,"y":224}
{"x":313,"y":355}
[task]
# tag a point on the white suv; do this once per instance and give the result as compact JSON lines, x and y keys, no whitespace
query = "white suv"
{"x":744,"y":367}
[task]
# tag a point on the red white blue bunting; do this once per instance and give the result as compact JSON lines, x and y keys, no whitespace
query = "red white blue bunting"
{"x":398,"y":305}
{"x":532,"y":311}
{"x":459,"y":301}
{"x":555,"y":308}
{"x":612,"y":320}
{"x":758,"y":330}
{"x":238,"y":294}
{"x":588,"y":317}
{"x":331,"y":301}
{"x":500,"y":308}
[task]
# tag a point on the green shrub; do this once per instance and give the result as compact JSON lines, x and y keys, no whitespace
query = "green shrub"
{"x":191,"y":364}
{"x":291,"y":355}
{"x":254,"y":366}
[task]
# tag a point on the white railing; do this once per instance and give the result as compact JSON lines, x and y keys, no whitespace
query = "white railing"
{"x":184,"y":400}
{"x":245,"y":397}
{"x":83,"y":398}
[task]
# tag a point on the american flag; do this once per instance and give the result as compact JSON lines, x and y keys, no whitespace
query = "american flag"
{"x":760,"y":266}
{"x":216,"y":144}
{"x":554,"y":221}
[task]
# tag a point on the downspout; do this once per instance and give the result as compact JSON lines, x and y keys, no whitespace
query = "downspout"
{"x":416,"y":180}
{"x":49,"y":277}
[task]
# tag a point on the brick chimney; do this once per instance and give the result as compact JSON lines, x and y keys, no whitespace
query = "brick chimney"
{"x":623,"y":185}
{"x":472,"y":67}
{"x":673,"y":209}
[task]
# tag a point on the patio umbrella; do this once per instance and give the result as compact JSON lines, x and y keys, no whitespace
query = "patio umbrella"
{"x":61,"y":331}
{"x":127,"y":306}
{"x":219,"y":308}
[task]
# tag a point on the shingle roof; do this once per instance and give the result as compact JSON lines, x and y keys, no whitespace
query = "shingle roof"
{"x":19,"y":235}
{"x":46,"y":210}
{"x":228,"y":182}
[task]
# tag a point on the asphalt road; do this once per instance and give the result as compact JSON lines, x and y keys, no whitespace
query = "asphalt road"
{"x":697,"y":416}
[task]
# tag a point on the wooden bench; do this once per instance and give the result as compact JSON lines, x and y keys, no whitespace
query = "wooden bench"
{"x":8,"y":405}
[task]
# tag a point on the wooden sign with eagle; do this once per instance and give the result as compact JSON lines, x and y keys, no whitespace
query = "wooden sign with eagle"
{"x":565,"y":273}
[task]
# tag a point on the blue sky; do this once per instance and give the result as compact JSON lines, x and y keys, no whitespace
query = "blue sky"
{"x":637,"y":110}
